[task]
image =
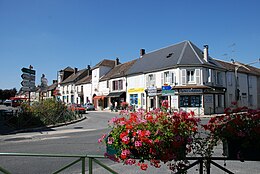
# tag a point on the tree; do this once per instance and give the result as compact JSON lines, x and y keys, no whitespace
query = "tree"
{"x":7,"y":93}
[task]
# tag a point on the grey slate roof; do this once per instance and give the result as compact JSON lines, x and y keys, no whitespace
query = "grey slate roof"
{"x":249,"y":70}
{"x":75,"y":76}
{"x":84,"y":80}
{"x":105,"y":62}
{"x":118,"y":71}
{"x":181,"y":54}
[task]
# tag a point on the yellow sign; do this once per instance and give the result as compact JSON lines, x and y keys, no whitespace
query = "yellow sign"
{"x":132,"y":90}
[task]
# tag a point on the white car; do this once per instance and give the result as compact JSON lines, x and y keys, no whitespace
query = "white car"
{"x":89,"y":107}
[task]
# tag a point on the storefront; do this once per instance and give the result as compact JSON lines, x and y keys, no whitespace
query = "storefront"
{"x":136,"y":97}
{"x":202,"y":100}
{"x":116,"y":98}
{"x":100,"y":102}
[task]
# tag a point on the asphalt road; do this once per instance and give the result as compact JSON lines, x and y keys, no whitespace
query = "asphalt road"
{"x":81,"y":138}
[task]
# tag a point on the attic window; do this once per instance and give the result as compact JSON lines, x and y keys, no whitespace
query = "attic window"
{"x":169,"y":55}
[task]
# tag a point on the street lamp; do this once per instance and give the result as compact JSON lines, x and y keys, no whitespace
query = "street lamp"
{"x":236,"y":75}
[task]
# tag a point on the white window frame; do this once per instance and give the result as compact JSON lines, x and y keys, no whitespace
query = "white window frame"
{"x":150,"y":80}
{"x":191,"y":77}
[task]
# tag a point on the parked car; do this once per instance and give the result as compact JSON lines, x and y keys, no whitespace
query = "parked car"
{"x":89,"y":107}
{"x":77,"y":108}
{"x":8,"y":102}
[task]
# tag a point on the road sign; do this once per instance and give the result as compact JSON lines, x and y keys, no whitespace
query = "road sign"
{"x":27,"y":83}
{"x":26,"y":89}
{"x":29,"y":71}
{"x":168,"y":92}
{"x":166,"y":87}
{"x":28,"y":77}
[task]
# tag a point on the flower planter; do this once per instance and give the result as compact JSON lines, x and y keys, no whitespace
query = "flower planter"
{"x":236,"y":150}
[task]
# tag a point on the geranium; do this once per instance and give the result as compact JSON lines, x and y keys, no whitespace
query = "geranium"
{"x":155,"y":136}
{"x":237,"y":124}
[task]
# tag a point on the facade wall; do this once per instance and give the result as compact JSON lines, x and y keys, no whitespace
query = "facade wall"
{"x":135,"y":91}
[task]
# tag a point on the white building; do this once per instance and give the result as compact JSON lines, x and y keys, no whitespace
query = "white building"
{"x":183,"y":74}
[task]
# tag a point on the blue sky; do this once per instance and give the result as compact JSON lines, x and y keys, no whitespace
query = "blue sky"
{"x":53,"y":34}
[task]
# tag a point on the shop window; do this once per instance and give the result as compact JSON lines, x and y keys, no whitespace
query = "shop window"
{"x":190,"y":101}
{"x":219,"y":101}
{"x":133,"y":99}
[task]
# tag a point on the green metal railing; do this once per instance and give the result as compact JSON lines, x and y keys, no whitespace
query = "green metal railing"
{"x":204,"y":163}
{"x":80,"y":159}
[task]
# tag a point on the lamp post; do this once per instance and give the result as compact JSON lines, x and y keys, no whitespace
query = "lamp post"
{"x":236,"y":76}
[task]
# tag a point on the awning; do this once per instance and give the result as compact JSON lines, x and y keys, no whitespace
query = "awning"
{"x":99,"y":97}
{"x":115,"y":94}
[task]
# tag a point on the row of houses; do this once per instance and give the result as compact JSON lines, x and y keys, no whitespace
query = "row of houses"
{"x":188,"y":77}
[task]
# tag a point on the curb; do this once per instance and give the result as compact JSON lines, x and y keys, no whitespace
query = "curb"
{"x":45,"y":127}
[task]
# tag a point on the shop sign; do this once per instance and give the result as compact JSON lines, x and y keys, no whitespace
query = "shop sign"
{"x":134,"y":90}
{"x":152,"y":91}
{"x":190,"y":90}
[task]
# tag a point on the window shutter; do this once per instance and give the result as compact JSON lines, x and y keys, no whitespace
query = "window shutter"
{"x":171,"y":75}
{"x":162,"y":79}
{"x":209,"y":75}
{"x":197,"y":75}
{"x":147,"y":80}
{"x":183,"y":76}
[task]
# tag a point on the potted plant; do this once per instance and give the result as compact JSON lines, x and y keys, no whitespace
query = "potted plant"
{"x":239,"y":130}
{"x":156,"y":136}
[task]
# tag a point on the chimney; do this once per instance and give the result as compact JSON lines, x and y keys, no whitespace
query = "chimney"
{"x":142,"y":52}
{"x":117,"y":61}
{"x":206,"y":53}
{"x":89,"y":70}
{"x":75,"y":70}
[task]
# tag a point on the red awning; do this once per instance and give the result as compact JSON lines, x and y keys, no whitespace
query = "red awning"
{"x":99,"y":97}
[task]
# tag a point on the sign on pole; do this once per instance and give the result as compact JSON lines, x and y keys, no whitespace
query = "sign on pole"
{"x":29,"y":71}
{"x":167,"y":91}
{"x":28,"y":76}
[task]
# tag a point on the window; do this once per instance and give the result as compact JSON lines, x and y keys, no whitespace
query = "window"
{"x":150,"y":80}
{"x":190,"y":101}
{"x":219,"y":100}
{"x":218,"y":78}
{"x":167,"y":78}
{"x":190,"y":76}
{"x":230,"y":79}
{"x":117,"y":85}
{"x":133,"y":99}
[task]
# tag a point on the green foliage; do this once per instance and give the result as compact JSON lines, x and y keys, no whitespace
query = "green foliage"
{"x":7,"y":93}
{"x":43,"y":113}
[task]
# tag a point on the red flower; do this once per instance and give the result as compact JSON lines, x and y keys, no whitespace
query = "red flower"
{"x":143,"y":166}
